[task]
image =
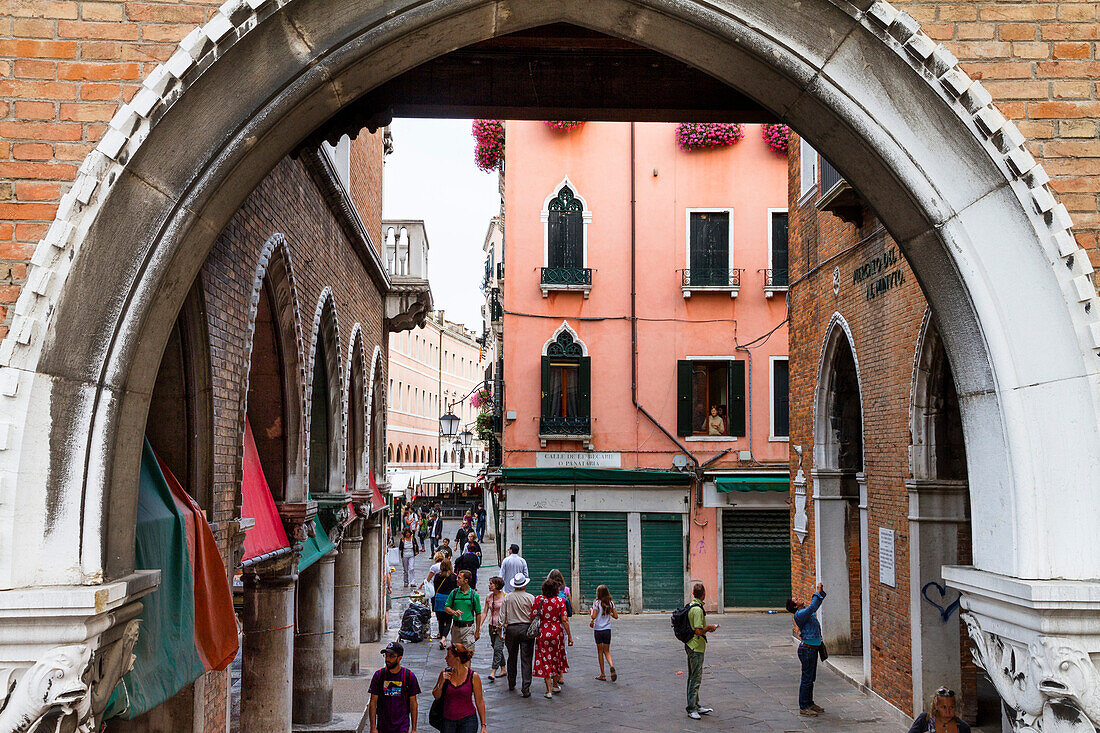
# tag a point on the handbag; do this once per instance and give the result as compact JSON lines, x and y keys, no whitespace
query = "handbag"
{"x":822,"y":651}
{"x":435,"y":712}
{"x":533,"y":627}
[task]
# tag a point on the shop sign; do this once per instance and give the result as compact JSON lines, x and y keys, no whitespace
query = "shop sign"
{"x":578,"y":459}
{"x":878,"y":274}
{"x":886,"y":574}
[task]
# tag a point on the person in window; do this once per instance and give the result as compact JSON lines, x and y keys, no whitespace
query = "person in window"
{"x":715,"y":424}
{"x":725,"y":419}
{"x":941,"y":718}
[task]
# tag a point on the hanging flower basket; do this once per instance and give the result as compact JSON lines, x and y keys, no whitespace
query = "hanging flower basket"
{"x":563,"y":125}
{"x":705,"y":135}
{"x":778,"y":138}
{"x":489,"y":144}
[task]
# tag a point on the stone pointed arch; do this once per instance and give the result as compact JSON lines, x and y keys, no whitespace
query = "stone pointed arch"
{"x":376,"y":416}
{"x":325,"y":340}
{"x":948,"y":175}
{"x":356,"y":413}
{"x":829,"y":445}
{"x":564,"y":337}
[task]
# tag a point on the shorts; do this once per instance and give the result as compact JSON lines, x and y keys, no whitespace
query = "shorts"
{"x":603,"y":636}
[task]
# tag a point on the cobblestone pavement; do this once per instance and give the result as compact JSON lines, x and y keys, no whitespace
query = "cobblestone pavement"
{"x":750,"y":679}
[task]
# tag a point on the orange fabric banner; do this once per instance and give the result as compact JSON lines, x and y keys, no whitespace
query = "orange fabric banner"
{"x":215,"y":620}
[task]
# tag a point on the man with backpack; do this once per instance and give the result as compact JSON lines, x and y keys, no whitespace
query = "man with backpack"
{"x":393,"y":691}
{"x":689,"y":623}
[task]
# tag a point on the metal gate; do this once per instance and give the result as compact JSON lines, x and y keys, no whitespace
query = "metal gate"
{"x":756,"y":563}
{"x":662,"y":561}
{"x":547,"y":542}
{"x":603,"y":559}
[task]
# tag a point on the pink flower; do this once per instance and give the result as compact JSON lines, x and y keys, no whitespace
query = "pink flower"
{"x":563,"y":125}
{"x":777,"y":137}
{"x":703,"y":135}
{"x":489,"y":144}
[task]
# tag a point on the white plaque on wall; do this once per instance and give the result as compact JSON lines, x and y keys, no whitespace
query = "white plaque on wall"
{"x":577,"y":459}
{"x":886,"y":557}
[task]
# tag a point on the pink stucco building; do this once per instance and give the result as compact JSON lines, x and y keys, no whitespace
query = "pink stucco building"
{"x":645,"y":362}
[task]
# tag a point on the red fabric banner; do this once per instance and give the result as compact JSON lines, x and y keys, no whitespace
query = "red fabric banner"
{"x":267,"y":535}
{"x":377,"y":501}
{"x":215,"y":620}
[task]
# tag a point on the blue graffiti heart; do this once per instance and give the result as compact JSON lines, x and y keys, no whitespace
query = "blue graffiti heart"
{"x":945,"y":613}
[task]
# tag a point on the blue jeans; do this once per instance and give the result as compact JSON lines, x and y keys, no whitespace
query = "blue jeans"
{"x":466,"y":725}
{"x":480,"y":530}
{"x":695,"y":677}
{"x":808,"y":656}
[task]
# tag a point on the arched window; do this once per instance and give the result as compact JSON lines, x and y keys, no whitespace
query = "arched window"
{"x":389,"y":453}
{"x":326,"y":414}
{"x":565,"y":217}
{"x":355,"y":453}
{"x":400,"y":453}
{"x":408,"y":454}
{"x":566,"y":387}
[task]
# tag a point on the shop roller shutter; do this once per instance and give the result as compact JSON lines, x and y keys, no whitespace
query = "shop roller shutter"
{"x":662,"y":561}
{"x":603,"y":559}
{"x":756,"y":562}
{"x":547,"y":544}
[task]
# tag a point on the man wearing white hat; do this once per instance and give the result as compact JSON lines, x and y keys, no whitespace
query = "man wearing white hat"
{"x":515,"y":617}
{"x":512,"y":565}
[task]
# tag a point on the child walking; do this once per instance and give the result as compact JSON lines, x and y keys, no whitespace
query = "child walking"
{"x":603,"y":610}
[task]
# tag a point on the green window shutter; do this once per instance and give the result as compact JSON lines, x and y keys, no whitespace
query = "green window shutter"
{"x":584,"y":387}
{"x":683,"y":397}
{"x":737,"y":398}
{"x":546,"y":409}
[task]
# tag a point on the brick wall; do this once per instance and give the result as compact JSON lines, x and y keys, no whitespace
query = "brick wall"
{"x":286,"y":202}
{"x":366,"y":183}
{"x":65,"y":66}
{"x":885,"y":332}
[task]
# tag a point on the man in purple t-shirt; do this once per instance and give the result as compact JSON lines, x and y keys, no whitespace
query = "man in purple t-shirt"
{"x":393,"y":692}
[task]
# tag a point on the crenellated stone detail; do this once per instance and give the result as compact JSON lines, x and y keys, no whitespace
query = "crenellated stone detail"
{"x":1050,"y":685}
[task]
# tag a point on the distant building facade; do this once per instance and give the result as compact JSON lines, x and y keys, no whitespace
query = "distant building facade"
{"x":643,"y":314}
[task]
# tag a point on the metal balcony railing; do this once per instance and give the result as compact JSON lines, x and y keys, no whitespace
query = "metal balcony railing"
{"x":710,"y":278}
{"x":565,"y":425}
{"x":830,"y":178}
{"x":567,"y":276}
{"x":776,"y":278}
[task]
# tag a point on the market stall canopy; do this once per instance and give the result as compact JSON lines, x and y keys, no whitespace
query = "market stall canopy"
{"x":753,"y":483}
{"x":448,"y":477}
{"x":377,"y":501}
{"x":267,"y":536}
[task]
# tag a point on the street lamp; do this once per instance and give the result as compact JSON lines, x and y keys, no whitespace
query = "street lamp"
{"x":466,"y":437}
{"x":449,"y":424}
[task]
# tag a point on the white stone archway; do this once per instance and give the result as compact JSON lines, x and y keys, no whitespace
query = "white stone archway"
{"x":947,"y":174}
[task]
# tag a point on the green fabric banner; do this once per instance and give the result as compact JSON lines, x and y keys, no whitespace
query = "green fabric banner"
{"x":315,"y":547}
{"x":753,"y":483}
{"x":604,"y":476}
{"x":167,"y":658}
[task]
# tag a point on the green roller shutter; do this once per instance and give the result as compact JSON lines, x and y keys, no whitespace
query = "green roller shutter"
{"x":756,"y":561}
{"x":546,"y":544}
{"x":662,"y":561}
{"x":603,"y":559}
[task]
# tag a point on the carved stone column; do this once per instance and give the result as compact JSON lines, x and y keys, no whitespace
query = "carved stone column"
{"x":936,"y":509}
{"x":836,"y":493}
{"x":1039,"y":642}
{"x":370,"y":597}
{"x":63,"y":649}
{"x":268,"y":620}
{"x":345,"y":643}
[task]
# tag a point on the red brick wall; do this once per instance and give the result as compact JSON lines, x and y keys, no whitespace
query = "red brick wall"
{"x":286,"y":202}
{"x":65,"y":66}
{"x":366,"y":182}
{"x":885,"y":332}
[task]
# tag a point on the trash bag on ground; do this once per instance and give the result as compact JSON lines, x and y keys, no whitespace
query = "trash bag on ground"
{"x":416,"y":623}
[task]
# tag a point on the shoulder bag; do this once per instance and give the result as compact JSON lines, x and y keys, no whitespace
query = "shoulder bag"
{"x":435,"y":712}
{"x":533,"y":627}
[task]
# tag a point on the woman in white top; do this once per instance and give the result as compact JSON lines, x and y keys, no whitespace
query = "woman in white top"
{"x":603,"y":610}
{"x":433,"y":570}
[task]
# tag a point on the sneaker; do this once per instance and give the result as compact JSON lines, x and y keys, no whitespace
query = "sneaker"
{"x":808,"y":713}
{"x":817,"y":708}
{"x":694,"y":715}
{"x":706,"y":711}
{"x":550,"y":696}
{"x":525,"y":694}
{"x":614,"y":674}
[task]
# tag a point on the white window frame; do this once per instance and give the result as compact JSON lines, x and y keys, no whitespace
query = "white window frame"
{"x":772,"y":437}
{"x":544,"y":216}
{"x":778,"y":288}
{"x":717,"y":438}
{"x":808,"y":168}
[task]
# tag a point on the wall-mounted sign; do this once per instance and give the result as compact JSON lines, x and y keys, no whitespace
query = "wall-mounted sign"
{"x":578,"y":459}
{"x":886,"y":557}
{"x":878,"y":275}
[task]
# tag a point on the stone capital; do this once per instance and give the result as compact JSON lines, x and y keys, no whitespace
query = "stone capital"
{"x":835,"y":485}
{"x":297,"y":519}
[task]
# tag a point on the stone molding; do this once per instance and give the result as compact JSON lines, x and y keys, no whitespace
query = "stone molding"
{"x":298,"y":521}
{"x":940,"y":501}
{"x":408,"y":302}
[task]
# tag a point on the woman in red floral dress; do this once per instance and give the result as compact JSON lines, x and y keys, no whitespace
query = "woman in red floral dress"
{"x":550,"y":660}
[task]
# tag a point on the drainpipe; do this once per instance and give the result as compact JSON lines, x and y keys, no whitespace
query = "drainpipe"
{"x":698,"y":471}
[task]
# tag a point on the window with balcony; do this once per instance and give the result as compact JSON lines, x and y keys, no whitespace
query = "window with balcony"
{"x":711,"y":398}
{"x":807,"y":159}
{"x":566,"y":218}
{"x":566,"y":388}
{"x":710,"y":253}
{"x":780,"y":387}
{"x":776,"y":276}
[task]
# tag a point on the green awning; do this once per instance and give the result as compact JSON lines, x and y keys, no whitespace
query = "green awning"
{"x":753,"y":483}
{"x":603,"y":476}
{"x":315,"y":547}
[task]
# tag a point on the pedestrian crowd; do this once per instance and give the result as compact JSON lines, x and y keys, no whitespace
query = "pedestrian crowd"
{"x":529,"y":636}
